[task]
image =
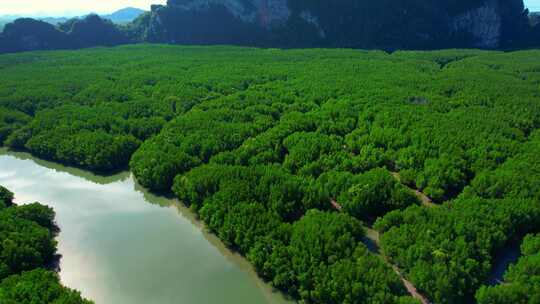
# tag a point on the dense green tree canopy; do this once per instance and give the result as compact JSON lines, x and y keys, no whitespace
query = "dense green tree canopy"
{"x":374,"y":193}
{"x":37,"y":286}
{"x":289,"y":156}
{"x":6,"y":198}
{"x":25,"y":244}
{"x":446,"y":251}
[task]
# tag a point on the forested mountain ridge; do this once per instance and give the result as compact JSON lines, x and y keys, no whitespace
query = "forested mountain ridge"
{"x":124,"y":15}
{"x":387,"y":24}
{"x":121,"y":16}
{"x":263,"y":144}
{"x":28,"y":34}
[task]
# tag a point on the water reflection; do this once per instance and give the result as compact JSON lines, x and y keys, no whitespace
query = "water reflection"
{"x":117,"y":248}
{"x":87,"y":175}
{"x":270,"y":293}
{"x":502,"y":260}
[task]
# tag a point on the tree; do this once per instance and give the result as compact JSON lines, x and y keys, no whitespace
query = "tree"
{"x":6,"y":198}
{"x":156,"y":165}
{"x":38,"y":286}
{"x":320,"y":238}
{"x":92,"y":30}
{"x":25,"y":244}
{"x":375,"y":193}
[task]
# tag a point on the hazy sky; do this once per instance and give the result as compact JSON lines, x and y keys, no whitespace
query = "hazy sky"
{"x":74,"y":7}
{"x":70,"y":7}
{"x":534,"y":5}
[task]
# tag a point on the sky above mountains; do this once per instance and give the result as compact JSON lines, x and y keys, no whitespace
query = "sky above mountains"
{"x":68,"y":8}
{"x":78,"y":7}
{"x":533,"y":5}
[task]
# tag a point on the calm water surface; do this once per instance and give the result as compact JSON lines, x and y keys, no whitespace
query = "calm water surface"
{"x":120,"y":244}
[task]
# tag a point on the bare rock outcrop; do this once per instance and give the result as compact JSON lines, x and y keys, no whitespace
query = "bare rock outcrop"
{"x":483,"y":23}
{"x":358,"y":24}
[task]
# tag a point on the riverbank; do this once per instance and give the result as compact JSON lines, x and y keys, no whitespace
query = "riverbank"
{"x":121,"y":244}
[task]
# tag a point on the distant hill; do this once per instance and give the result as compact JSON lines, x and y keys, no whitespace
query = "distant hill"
{"x":27,"y":34}
{"x":124,"y":15}
{"x":54,"y":20}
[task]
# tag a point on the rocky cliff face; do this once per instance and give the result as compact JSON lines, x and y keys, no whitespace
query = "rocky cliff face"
{"x":347,"y":23}
{"x":483,"y":23}
{"x":265,"y":13}
{"x":380,"y":24}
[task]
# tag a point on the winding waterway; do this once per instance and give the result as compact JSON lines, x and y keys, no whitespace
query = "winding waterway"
{"x":121,"y":244}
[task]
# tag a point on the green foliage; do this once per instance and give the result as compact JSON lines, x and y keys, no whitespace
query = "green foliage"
{"x":10,"y":121}
{"x":333,"y":284}
{"x":320,"y":238}
{"x":101,"y":138}
{"x":37,"y":213}
{"x":516,"y":178}
{"x":305,"y":148}
{"x":521,"y":281}
{"x":250,"y":208}
{"x":25,"y":244}
{"x":375,"y":193}
{"x":95,"y":150}
{"x":6,"y":198}
{"x":443,"y":175}
{"x":446,"y":251}
{"x":259,"y":142}
{"x":277,"y":189}
{"x":156,"y":165}
{"x":327,"y":263}
{"x":37,"y":286}
{"x":238,"y":223}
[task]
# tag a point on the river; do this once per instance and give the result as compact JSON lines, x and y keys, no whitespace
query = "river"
{"x":120,"y":244}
